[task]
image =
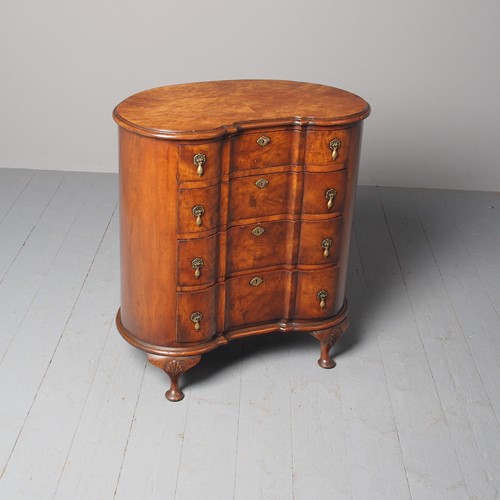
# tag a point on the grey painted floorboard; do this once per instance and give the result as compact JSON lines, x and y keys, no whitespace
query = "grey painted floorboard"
{"x":43,"y":325}
{"x":67,"y":381}
{"x":35,"y":258}
{"x":22,"y":215}
{"x":12,"y":184}
{"x":411,"y":411}
{"x":470,"y":416}
{"x":430,"y":459}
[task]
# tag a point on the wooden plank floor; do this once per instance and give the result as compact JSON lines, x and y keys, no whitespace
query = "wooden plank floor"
{"x":411,"y":411}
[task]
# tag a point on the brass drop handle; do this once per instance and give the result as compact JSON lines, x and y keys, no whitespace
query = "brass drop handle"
{"x":334,"y":146}
{"x":197,"y":264}
{"x":330,"y":195}
{"x":198,"y":212}
{"x":326,"y":245}
{"x":199,"y":160}
{"x":322,"y":295}
{"x":196,"y":318}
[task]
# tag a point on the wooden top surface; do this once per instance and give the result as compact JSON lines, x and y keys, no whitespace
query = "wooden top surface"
{"x":211,"y":109}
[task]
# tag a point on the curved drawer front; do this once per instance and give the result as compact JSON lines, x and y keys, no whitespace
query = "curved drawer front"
{"x":315,"y":297}
{"x":268,"y":148}
{"x":320,"y":148}
{"x":324,"y":193}
{"x":199,"y":162}
{"x":260,"y":245}
{"x":198,"y":209}
{"x":198,"y":261}
{"x":320,"y":241}
{"x":196,"y":315}
{"x":257,"y":298}
{"x":262,"y":195}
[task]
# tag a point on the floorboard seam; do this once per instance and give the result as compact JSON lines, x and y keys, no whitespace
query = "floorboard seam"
{"x":31,"y":230}
{"x":384,"y":369}
{"x":130,"y":431}
{"x":17,"y":197}
{"x":423,"y":343}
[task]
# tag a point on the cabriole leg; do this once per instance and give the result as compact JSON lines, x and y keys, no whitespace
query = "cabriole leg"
{"x":327,"y":339}
{"x":174,"y":367}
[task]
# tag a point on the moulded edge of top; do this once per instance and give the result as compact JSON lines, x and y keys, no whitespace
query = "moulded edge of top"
{"x":232,"y":128}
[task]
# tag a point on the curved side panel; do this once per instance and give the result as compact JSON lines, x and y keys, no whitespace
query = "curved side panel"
{"x":147,"y":227}
{"x":350,"y":193}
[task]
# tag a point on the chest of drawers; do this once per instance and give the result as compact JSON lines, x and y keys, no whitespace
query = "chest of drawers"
{"x":236,"y":204}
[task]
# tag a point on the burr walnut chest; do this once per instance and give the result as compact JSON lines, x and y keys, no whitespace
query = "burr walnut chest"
{"x":236,"y":204}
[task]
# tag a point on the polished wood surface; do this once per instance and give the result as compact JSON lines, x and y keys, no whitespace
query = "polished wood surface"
{"x":236,"y":210}
{"x":209,"y":108}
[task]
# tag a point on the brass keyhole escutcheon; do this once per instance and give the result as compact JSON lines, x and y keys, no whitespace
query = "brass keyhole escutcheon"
{"x":262,"y":183}
{"x":326,"y":244}
{"x":258,"y":231}
{"x":263,"y":140}
{"x":334,"y":146}
{"x":196,"y":318}
{"x":198,"y":212}
{"x":199,"y":160}
{"x":256,"y":281}
{"x":330,"y":195}
{"x":322,"y":295}
{"x":197,"y":264}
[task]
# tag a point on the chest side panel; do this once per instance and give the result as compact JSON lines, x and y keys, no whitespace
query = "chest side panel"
{"x":148,"y":208}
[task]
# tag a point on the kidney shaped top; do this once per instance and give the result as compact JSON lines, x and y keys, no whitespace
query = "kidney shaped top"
{"x":212,"y":109}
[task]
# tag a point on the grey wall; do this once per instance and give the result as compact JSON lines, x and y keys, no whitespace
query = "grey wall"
{"x":429,"y":69}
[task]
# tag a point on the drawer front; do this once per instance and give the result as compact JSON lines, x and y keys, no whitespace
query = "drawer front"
{"x":314,"y":289}
{"x":262,"y":195}
{"x":197,"y":261}
{"x":324,"y":193}
{"x":198,"y":209}
{"x":196,"y":313}
{"x":263,"y":301}
{"x":199,"y":162}
{"x":264,"y":149}
{"x":259,"y":245}
{"x":319,"y":152}
{"x":320,"y":241}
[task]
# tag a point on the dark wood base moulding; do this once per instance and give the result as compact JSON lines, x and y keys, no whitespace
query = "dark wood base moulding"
{"x":175,"y":361}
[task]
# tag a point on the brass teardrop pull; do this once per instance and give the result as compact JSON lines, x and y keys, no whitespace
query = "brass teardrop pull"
{"x":198,"y":212}
{"x":199,"y":160}
{"x":334,"y":146}
{"x":322,"y":295}
{"x":326,"y":245}
{"x":330,"y":195}
{"x":197,"y":264}
{"x":196,"y":318}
